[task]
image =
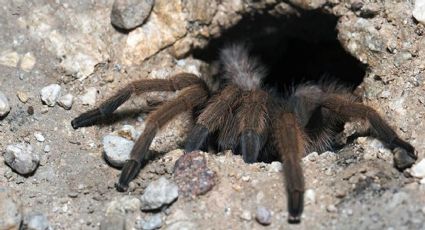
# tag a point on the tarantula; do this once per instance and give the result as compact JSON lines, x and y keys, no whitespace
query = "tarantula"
{"x":249,"y":119}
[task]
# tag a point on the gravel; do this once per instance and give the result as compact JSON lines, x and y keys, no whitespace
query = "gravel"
{"x":50,"y":94}
{"x":36,"y":221}
{"x":331,"y":208}
{"x":66,"y":101}
{"x":128,"y":14}
{"x":263,"y":216}
{"x":4,"y":105}
{"x":89,"y":98}
{"x":117,"y":149}
{"x":275,"y":166}
{"x":310,"y":196}
{"x":10,"y":214}
{"x":21,"y":158}
{"x":159,"y":193}
{"x":150,"y":223}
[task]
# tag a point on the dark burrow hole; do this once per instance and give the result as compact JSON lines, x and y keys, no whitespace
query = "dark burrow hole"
{"x":295,"y":49}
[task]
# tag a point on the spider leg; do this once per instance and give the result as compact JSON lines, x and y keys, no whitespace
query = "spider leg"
{"x":252,"y":120}
{"x":175,"y":83}
{"x":347,"y":109}
{"x":189,"y":98}
{"x":290,"y":146}
{"x":216,"y":115}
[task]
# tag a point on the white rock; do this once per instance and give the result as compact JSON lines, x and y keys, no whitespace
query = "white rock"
{"x":89,"y":98}
{"x":419,"y":11}
{"x":331,"y":208}
{"x":66,"y":101}
{"x":117,"y":149}
{"x":275,"y":166}
{"x":159,"y":193}
{"x":21,"y":158}
{"x":50,"y":94}
{"x":418,"y":170}
{"x":4,"y":105}
{"x":310,"y":196}
{"x":39,"y":137}
{"x":28,"y":62}
{"x":9,"y":58}
{"x":246,"y":215}
{"x":36,"y":221}
{"x":153,"y":222}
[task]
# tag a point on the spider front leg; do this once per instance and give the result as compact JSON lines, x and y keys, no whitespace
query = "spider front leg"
{"x":189,"y":98}
{"x":175,"y":83}
{"x":290,"y":146}
{"x":347,"y":109}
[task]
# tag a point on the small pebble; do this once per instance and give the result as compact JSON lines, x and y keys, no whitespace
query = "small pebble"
{"x":30,"y":110}
{"x":28,"y":62}
{"x":39,"y":137}
{"x":117,"y":149}
{"x":246,"y":215}
{"x":4,"y":105}
{"x":66,"y":101}
{"x":310,"y":196}
{"x":150,"y":223}
{"x":50,"y":94}
{"x":159,"y":193}
{"x":22,"y":96}
{"x":46,"y":148}
{"x":21,"y":158}
{"x":275,"y":166}
{"x":89,"y":98}
{"x":263,"y":216}
{"x":331,"y":208}
{"x":418,"y":170}
{"x":36,"y":221}
{"x":128,"y":14}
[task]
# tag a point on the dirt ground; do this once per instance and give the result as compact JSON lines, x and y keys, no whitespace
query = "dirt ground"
{"x":73,"y":44}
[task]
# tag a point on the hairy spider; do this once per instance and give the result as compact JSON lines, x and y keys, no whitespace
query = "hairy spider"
{"x":249,"y":119}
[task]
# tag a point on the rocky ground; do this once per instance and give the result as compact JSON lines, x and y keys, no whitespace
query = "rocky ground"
{"x":60,"y":58}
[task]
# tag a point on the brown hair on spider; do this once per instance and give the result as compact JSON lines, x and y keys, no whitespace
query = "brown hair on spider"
{"x":249,"y":120}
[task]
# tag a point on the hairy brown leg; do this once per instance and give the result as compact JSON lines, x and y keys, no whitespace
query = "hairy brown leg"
{"x":347,"y":110}
{"x":175,"y":83}
{"x":252,"y":124}
{"x":216,"y":115}
{"x":189,"y":98}
{"x":290,"y":146}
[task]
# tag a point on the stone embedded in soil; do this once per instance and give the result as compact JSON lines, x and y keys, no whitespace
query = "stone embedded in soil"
{"x":117,"y":149}
{"x":150,"y":223}
{"x":310,"y":196}
{"x":9,"y":58}
{"x":123,"y":205}
{"x":192,"y":174}
{"x":263,"y":216}
{"x":275,"y":166}
{"x":331,"y":208}
{"x":246,"y":215}
{"x":10,"y":213}
{"x":36,"y":221}
{"x":4,"y":105}
{"x":39,"y":137}
{"x":22,"y":96}
{"x":419,"y":11}
{"x":418,"y":170}
{"x":66,"y":101}
{"x":159,"y":193}
{"x":128,"y":14}
{"x":21,"y":158}
{"x":89,"y":98}
{"x":115,"y":222}
{"x":28,"y":62}
{"x":50,"y":94}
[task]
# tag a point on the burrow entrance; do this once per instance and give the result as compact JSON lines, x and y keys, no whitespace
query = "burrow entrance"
{"x":295,"y":49}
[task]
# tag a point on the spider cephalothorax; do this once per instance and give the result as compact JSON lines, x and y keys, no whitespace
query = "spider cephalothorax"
{"x":249,"y":120}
